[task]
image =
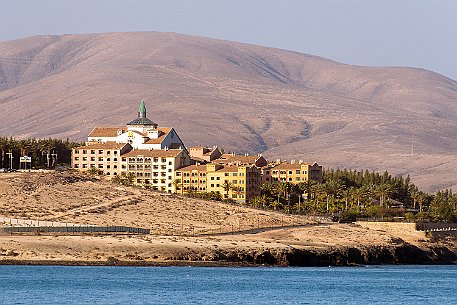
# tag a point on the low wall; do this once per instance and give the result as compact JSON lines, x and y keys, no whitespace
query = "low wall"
{"x":74,"y":230}
{"x":436,"y":226}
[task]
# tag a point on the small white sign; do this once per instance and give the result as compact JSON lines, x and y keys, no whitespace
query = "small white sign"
{"x":25,"y":159}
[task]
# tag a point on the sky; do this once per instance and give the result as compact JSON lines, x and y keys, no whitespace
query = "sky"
{"x":412,"y":33}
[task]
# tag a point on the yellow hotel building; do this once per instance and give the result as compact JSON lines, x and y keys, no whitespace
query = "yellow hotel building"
{"x":244,"y":180}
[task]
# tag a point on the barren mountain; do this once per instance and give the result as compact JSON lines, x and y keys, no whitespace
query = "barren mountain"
{"x":245,"y":98}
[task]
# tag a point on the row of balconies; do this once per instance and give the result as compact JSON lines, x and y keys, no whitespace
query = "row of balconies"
{"x":95,"y":151}
{"x":148,"y":160}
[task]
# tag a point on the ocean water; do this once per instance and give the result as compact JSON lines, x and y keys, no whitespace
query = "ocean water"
{"x":214,"y":285}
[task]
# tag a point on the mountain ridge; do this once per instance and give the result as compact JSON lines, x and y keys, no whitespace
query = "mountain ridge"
{"x":245,"y":98}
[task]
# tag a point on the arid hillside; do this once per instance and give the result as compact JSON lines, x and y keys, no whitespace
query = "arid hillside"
{"x":245,"y":98}
{"x":184,"y":229}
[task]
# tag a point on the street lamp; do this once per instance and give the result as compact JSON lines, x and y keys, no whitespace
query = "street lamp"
{"x":11,"y":159}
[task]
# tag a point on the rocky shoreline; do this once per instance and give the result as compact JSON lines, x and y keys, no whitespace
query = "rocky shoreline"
{"x":404,"y":254}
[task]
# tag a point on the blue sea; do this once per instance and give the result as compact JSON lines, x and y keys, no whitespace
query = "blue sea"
{"x":238,"y":285}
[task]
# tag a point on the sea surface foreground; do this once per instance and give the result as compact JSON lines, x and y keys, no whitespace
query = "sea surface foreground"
{"x":214,"y":285}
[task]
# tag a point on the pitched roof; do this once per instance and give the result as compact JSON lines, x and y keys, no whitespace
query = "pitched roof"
{"x":164,"y":130}
{"x":102,"y":132}
{"x":106,"y":131}
{"x":142,"y":121}
{"x":229,"y":158}
{"x":189,"y":168}
{"x":153,"y":153}
{"x":203,"y":168}
{"x":287,"y":165}
{"x":107,"y":145}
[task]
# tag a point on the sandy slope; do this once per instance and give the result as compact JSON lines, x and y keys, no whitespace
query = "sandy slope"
{"x":182,"y":228}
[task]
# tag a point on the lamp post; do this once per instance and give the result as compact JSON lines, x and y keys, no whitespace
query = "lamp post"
{"x":11,"y":159}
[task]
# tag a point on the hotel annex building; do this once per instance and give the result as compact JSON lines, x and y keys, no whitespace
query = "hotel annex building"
{"x":157,"y":158}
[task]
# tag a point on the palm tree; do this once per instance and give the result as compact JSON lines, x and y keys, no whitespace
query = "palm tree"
{"x":227,"y":186}
{"x":414,"y":193}
{"x":348,"y":195}
{"x":307,"y":187}
{"x":237,"y":190}
{"x":383,"y":190}
{"x":359,"y":194}
{"x":176,"y":184}
{"x":332,"y":190}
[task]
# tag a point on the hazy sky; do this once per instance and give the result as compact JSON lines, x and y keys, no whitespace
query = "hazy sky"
{"x":416,"y":33}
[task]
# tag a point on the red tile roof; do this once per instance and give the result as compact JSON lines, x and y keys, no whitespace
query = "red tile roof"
{"x":153,"y":153}
{"x":107,"y":145}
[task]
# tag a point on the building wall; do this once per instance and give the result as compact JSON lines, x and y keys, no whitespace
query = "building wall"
{"x":106,"y":160}
{"x":155,"y":172}
{"x":292,"y":173}
{"x":212,"y":177}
